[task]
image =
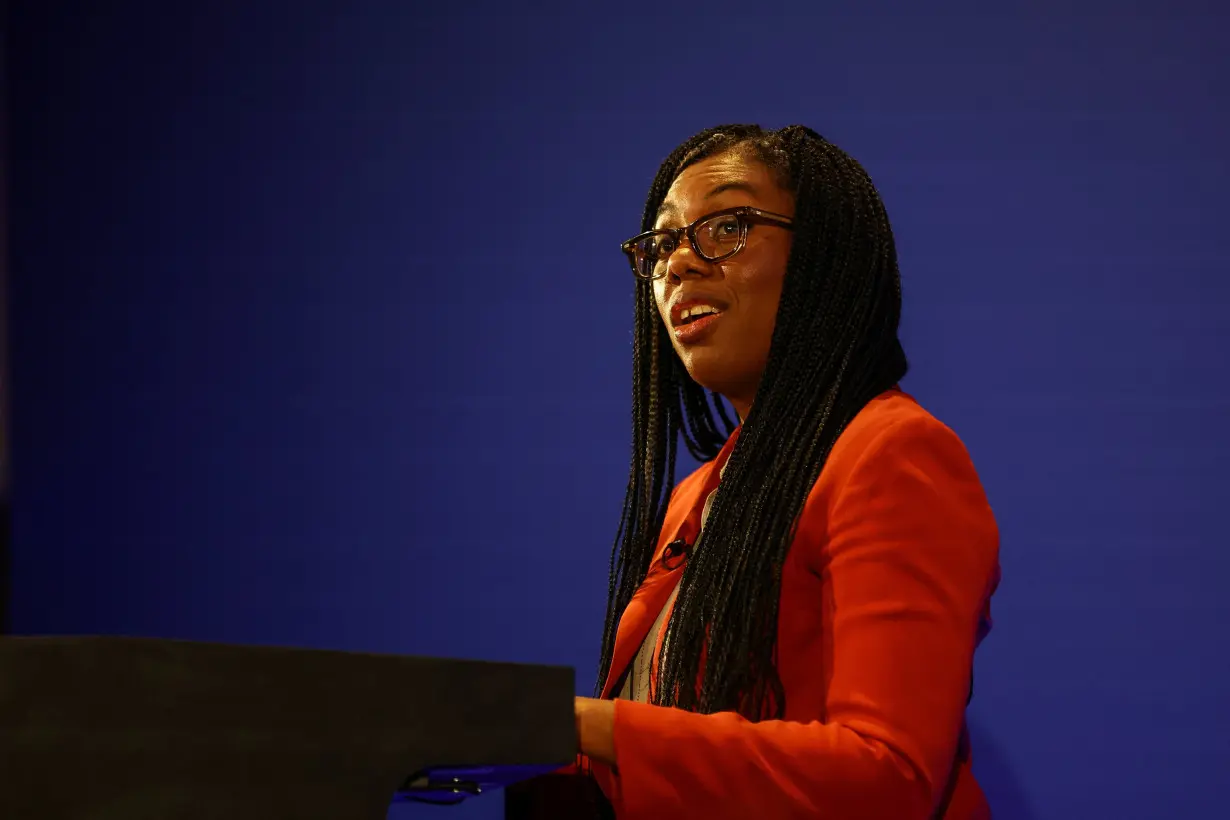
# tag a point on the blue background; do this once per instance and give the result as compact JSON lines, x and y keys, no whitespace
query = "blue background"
{"x":320,"y":335}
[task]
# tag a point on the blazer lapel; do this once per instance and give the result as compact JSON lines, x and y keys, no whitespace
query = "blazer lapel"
{"x":683,"y":519}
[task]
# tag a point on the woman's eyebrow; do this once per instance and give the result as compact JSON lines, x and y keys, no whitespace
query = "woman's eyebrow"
{"x":669,"y":209}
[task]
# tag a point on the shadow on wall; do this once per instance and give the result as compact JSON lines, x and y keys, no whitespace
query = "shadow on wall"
{"x":1004,"y":791}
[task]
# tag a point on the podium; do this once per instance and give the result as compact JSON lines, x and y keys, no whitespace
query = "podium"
{"x":101,"y":728}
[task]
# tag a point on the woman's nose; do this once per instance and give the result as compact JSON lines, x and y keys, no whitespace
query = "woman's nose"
{"x":684,"y":263}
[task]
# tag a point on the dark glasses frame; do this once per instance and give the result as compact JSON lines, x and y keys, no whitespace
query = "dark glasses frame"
{"x":746,"y":215}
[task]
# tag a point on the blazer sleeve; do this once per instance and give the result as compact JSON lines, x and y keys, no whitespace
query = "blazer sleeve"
{"x":911,"y":552}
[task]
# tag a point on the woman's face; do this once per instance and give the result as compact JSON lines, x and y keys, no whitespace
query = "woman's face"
{"x":728,"y":352}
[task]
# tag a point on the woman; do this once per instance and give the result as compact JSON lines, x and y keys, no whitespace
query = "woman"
{"x":790,"y":630}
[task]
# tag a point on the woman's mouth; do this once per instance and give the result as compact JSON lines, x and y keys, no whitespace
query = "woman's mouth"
{"x":690,"y":329}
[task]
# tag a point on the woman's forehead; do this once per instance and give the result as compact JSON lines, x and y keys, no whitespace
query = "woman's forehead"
{"x":699,"y":177}
{"x":703,"y":182}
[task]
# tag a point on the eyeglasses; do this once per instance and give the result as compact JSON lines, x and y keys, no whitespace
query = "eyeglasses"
{"x":714,"y":237}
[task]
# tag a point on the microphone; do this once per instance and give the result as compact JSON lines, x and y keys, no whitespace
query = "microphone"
{"x":676,"y":553}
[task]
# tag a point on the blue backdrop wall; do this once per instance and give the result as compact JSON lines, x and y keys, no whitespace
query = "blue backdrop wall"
{"x":320,"y":334}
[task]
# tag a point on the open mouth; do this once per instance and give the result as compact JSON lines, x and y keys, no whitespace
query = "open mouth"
{"x":695,"y":314}
{"x":693,"y":319}
{"x":695,"y":327}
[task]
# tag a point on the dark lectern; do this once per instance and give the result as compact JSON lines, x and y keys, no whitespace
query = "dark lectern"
{"x":142,"y":729}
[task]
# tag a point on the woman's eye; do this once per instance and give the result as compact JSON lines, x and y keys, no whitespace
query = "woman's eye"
{"x":726,"y":227}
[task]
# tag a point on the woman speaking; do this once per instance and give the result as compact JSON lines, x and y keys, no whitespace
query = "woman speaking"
{"x":790,"y":629}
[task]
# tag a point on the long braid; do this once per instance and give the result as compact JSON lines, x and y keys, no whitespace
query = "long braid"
{"x":658,"y":410}
{"x":834,"y":348}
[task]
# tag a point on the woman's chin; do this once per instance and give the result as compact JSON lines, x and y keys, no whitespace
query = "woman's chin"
{"x":716,"y":377}
{"x":704,"y":368}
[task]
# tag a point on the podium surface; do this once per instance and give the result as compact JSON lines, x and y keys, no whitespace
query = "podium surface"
{"x":103,"y":728}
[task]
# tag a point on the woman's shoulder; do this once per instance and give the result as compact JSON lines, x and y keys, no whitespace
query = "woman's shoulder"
{"x":898,"y":465}
{"x":893,"y":421}
{"x":894,"y":415}
{"x":895,"y":433}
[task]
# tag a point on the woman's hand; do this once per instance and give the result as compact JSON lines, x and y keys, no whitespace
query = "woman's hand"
{"x":596,"y":729}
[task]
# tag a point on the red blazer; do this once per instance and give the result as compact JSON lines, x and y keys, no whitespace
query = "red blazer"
{"x":885,"y":595}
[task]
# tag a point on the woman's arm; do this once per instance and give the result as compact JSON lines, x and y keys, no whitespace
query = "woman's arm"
{"x":911,"y":555}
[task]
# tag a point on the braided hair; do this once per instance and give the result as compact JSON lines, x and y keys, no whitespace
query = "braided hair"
{"x":834,"y":348}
